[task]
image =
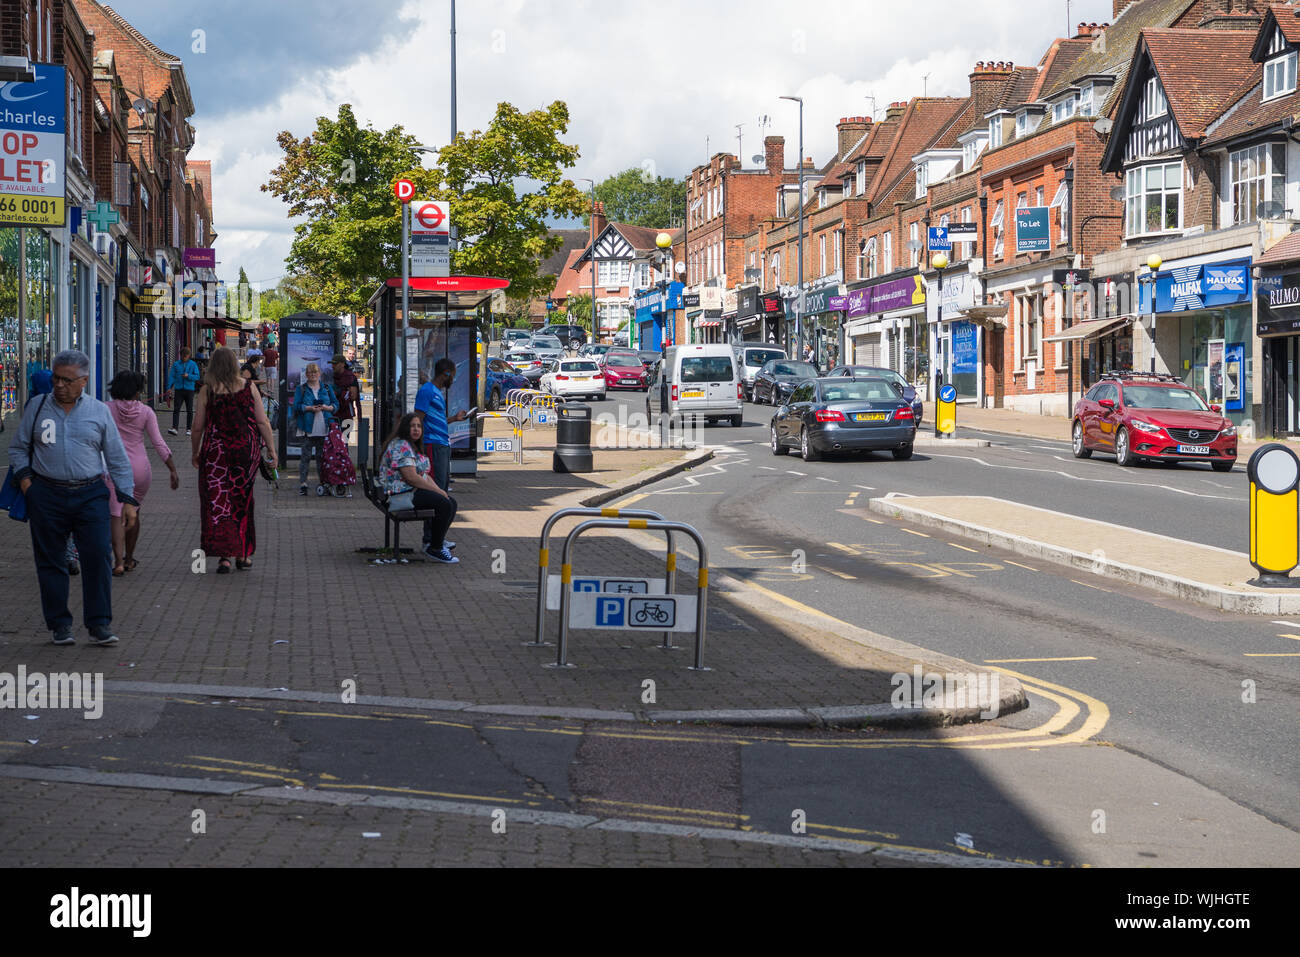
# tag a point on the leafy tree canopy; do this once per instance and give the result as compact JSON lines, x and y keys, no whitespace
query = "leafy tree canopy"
{"x":640,"y":199}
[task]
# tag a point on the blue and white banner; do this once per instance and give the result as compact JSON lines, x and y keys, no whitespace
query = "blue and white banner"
{"x":1204,"y":286}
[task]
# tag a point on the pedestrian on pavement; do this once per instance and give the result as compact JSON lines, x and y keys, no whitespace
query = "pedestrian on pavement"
{"x":135,"y":422}
{"x":405,"y":471}
{"x":184,"y":382}
{"x":201,"y":359}
{"x":58,"y":454}
{"x":226,"y":451}
{"x":271,"y":366}
{"x":431,"y":401}
{"x":252,"y":370}
{"x":314,"y":407}
{"x":348,"y":391}
{"x":43,"y":384}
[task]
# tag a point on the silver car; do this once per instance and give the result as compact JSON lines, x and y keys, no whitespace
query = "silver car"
{"x":547,"y":348}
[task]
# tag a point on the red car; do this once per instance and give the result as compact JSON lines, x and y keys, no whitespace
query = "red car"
{"x":624,"y":370}
{"x":1152,"y":417}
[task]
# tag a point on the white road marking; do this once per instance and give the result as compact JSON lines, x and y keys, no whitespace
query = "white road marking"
{"x":1289,"y":624}
{"x":869,"y":488}
{"x":800,"y":474}
{"x":823,"y":479}
{"x":1081,"y":478}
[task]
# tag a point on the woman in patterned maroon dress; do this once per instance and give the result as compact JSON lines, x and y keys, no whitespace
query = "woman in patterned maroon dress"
{"x":227,"y":448}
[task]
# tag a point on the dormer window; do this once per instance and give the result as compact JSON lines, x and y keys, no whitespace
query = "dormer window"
{"x":1085,"y":100}
{"x":1279,"y":75}
{"x":1064,"y":109}
{"x":1022,"y":124}
{"x":1156,"y":105}
{"x":862,"y":177}
{"x":995,"y":132}
{"x":922,"y":170}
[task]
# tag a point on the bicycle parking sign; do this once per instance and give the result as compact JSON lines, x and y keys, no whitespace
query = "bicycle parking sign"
{"x":631,"y":612}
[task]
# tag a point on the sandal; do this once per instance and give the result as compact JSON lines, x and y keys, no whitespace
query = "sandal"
{"x":223,"y":567}
{"x":118,"y":571}
{"x":243,"y":564}
{"x":129,"y":564}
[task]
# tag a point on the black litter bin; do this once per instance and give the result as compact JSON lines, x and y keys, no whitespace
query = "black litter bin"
{"x":572,"y":439}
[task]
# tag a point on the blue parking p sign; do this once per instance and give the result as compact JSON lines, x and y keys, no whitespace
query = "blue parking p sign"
{"x":609,"y":612}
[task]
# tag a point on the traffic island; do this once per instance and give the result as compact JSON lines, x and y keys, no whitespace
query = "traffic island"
{"x":1216,"y":577}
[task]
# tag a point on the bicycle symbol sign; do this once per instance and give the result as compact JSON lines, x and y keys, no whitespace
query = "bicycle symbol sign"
{"x":652,"y":612}
{"x":631,"y":612}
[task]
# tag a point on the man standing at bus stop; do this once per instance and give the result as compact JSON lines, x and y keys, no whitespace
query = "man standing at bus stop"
{"x":431,"y":402}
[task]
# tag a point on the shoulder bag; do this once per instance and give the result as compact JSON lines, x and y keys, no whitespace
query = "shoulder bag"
{"x":12,"y":499}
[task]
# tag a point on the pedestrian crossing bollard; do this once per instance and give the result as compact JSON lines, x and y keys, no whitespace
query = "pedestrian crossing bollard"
{"x":1274,"y":474}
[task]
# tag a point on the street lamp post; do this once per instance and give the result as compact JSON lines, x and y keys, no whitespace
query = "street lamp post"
{"x":1153,"y":265}
{"x":798,"y":315}
{"x":663,"y":241}
{"x":594,"y":237}
{"x":939,"y":262}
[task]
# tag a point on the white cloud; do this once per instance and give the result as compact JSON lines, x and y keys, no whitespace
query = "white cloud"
{"x":642,"y":81}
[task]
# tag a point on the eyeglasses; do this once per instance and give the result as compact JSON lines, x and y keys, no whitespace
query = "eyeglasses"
{"x":62,"y":380}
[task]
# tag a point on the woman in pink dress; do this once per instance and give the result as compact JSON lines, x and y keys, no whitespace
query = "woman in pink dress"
{"x":134,"y":420}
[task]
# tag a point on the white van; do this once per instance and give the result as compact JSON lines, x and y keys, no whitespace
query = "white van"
{"x":698,"y":381}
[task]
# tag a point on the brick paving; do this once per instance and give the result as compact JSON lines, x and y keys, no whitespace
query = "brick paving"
{"x":55,"y":825}
{"x":422,"y":630}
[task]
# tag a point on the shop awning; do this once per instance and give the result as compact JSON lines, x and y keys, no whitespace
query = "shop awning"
{"x":707,"y":323}
{"x":1086,"y":330}
{"x":221,"y":322}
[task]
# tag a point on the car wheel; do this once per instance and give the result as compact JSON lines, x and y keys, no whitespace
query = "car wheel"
{"x":1223,"y":466}
{"x":737,"y":421}
{"x":1081,"y":451}
{"x":806,"y":451}
{"x":1123,"y":451}
{"x":904,"y":453}
{"x":711,"y":420}
{"x":777,"y":447}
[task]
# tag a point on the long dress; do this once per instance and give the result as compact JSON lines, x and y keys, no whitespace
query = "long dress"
{"x":135,"y":421}
{"x":228,"y":462}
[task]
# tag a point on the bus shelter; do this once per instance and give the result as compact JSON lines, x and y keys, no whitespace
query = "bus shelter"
{"x":445,"y":316}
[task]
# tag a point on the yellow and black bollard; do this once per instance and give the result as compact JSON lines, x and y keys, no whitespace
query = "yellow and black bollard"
{"x":1274,"y":473}
{"x":945,"y":412}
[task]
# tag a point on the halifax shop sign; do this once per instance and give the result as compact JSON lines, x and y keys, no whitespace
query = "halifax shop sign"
{"x":1203,"y":286}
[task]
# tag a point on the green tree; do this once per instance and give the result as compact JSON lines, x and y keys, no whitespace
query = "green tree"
{"x":505,"y":183}
{"x":340,"y":180}
{"x":640,"y":199}
{"x":284,"y":300}
{"x":578,"y":310}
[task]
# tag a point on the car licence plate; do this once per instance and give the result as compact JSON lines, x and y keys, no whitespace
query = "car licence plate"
{"x":870,"y":416}
{"x":693,"y":394}
{"x":1193,"y":450}
{"x":627,"y":381}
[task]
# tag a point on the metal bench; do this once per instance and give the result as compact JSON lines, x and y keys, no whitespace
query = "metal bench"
{"x":379,"y":499}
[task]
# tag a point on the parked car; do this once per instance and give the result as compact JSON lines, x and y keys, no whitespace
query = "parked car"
{"x":574,"y":377}
{"x":593,"y":350}
{"x":514,"y":337}
{"x":528,"y":364}
{"x":751,"y":358}
{"x":621,"y":338}
{"x":876,"y":372}
{"x":778,"y":377}
{"x":700,"y":381}
{"x":623,"y":370}
{"x":1149,"y":417}
{"x":572,"y":336}
{"x":844,"y":415}
{"x":649,"y":356}
{"x":546,"y":347}
{"x":501,"y":378}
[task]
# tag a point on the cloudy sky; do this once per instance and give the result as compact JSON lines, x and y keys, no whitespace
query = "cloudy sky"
{"x":646,"y":82}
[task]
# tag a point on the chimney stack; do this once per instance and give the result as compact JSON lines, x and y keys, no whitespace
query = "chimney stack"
{"x":851,"y":129}
{"x":895,"y":111}
{"x":1231,"y":15}
{"x":1088,"y":30}
{"x":986,"y":84}
{"x":598,"y":221}
{"x":774,"y":151}
{"x":1120,"y":6}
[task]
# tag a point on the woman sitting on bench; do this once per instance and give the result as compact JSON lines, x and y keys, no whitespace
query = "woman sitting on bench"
{"x":404,"y":475}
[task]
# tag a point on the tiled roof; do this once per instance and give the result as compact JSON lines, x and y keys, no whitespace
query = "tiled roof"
{"x":1285,"y":251}
{"x":1287,"y":21}
{"x":1247,"y":113}
{"x":641,"y":237}
{"x":926,"y":121}
{"x":1112,"y":52}
{"x":573,"y":240}
{"x":1019,"y":88}
{"x":1060,"y":57}
{"x":1202,"y":72}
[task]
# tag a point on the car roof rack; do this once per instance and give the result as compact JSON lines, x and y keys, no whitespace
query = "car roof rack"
{"x":1158,"y":376}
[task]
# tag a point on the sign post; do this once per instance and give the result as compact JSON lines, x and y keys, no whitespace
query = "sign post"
{"x":945,"y":419}
{"x":1274,"y":474}
{"x":404,"y":189}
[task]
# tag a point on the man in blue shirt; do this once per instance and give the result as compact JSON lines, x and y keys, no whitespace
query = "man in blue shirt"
{"x":58,"y":456}
{"x":431,"y":402}
{"x":184,"y":382}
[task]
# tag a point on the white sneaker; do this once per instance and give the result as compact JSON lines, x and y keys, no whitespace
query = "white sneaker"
{"x":173,"y":432}
{"x":187,"y":431}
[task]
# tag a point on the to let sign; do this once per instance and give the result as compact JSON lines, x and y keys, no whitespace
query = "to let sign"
{"x":1033,"y":230}
{"x":33,"y":118}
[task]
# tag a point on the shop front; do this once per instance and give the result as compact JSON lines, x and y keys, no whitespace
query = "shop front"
{"x":1204,"y":326}
{"x":883,"y":326}
{"x":954,"y":340}
{"x":30,"y":295}
{"x":824,"y":325}
{"x":1278,"y":327}
{"x":649,"y":325}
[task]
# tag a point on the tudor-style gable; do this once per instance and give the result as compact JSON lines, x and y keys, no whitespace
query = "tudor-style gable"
{"x":1275,"y":47}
